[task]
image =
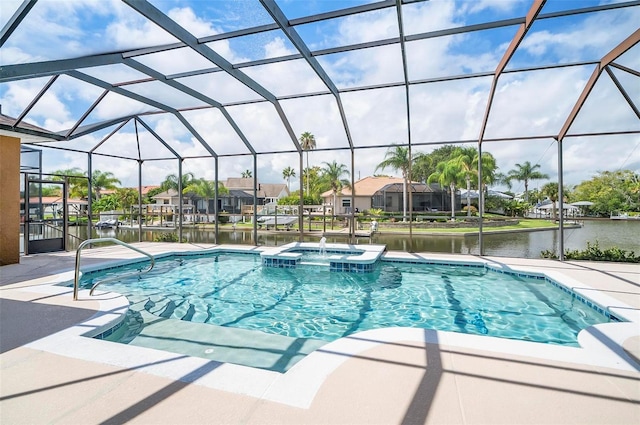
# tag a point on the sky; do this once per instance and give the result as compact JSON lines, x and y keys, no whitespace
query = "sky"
{"x":526,"y":104}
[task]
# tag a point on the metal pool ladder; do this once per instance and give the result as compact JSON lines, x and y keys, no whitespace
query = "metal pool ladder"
{"x":76,"y":280}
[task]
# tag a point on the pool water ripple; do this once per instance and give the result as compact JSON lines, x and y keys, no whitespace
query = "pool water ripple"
{"x":233,"y":290}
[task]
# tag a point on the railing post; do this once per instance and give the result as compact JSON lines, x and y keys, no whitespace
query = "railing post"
{"x":76,"y":279}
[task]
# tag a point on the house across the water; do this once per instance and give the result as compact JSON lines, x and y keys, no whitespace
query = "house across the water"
{"x":239,"y":200}
{"x":386,"y":193}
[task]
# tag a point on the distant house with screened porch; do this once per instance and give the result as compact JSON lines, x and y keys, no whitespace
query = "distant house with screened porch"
{"x":170,"y":198}
{"x":386,"y":193}
{"x":239,"y":199}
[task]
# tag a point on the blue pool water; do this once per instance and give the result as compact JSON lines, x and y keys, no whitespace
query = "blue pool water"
{"x":235,"y":290}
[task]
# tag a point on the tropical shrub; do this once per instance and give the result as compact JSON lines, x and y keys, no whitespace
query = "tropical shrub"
{"x":594,"y":253}
{"x":376,"y":212}
{"x":474,"y":210}
{"x":223,"y":217}
{"x":294,"y":199}
{"x":167,"y":237}
{"x":610,"y":191}
{"x":106,"y":203}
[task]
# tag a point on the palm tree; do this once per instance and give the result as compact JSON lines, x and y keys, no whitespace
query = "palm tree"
{"x":312,"y":177}
{"x":524,"y":173}
{"x":397,"y":157}
{"x":204,"y":189}
{"x":171,"y":181}
{"x":489,"y":169}
{"x":332,"y":175}
{"x":489,"y":173}
{"x":424,"y":164}
{"x":103,"y":180}
{"x":126,"y":197}
{"x":307,"y":143}
{"x":550,"y":190}
{"x":54,"y":190}
{"x":447,"y":174}
{"x":287,"y":173}
{"x":247,"y":174}
{"x":467,"y":160}
{"x":78,"y":182}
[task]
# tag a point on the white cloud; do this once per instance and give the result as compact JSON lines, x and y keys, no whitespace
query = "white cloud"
{"x":187,"y":19}
{"x":262,"y":126}
{"x":493,"y":5}
{"x":298,"y":74}
{"x":277,"y":48}
{"x":448,"y":110}
{"x":378,"y":65}
{"x":69,"y":26}
{"x":59,"y":107}
{"x":114,"y":74}
{"x":521,"y":108}
{"x":430,"y":16}
{"x":15,"y":55}
{"x":129,"y":30}
{"x":9,"y":7}
{"x":115,"y":105}
{"x":17,"y":95}
{"x":216,"y":131}
{"x":221,"y":87}
{"x":367,"y":27}
{"x":589,"y":39}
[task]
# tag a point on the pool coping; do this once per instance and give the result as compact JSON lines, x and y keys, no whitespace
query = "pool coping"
{"x":601,"y":345}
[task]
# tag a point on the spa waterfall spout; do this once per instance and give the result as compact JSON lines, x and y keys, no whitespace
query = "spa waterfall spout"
{"x":322,"y":246}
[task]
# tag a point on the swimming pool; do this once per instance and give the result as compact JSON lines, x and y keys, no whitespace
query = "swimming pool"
{"x":308,"y":302}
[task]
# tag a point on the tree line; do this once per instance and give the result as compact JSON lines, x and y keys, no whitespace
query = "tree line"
{"x":455,"y":167}
{"x":452,"y":167}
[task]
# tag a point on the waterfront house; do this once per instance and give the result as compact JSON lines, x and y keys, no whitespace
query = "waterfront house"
{"x":386,"y":193}
{"x":240,"y":197}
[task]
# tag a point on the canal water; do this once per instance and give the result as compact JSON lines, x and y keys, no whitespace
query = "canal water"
{"x":624,"y":234}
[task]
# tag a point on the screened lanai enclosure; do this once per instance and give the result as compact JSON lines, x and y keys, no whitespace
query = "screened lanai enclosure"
{"x":424,"y":198}
{"x":144,"y":89}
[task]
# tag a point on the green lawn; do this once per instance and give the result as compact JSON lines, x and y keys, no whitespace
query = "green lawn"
{"x":524,"y":224}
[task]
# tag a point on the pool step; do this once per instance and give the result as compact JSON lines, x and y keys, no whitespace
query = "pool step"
{"x":229,"y":345}
{"x":174,"y":307}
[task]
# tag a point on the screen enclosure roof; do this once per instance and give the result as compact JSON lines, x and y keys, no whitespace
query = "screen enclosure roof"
{"x":154,"y":80}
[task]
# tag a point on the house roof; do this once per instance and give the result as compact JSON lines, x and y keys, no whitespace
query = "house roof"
{"x":271,"y":190}
{"x":371,"y":185}
{"x":265,"y":190}
{"x":26,"y":130}
{"x":242,"y":183}
{"x":238,"y":194}
{"x":170,"y":193}
{"x":414,"y":187}
{"x":54,"y":200}
{"x":145,"y":190}
{"x":367,"y":186}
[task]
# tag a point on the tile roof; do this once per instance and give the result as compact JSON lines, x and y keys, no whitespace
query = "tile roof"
{"x":54,"y":200}
{"x":367,"y":186}
{"x":145,"y":190}
{"x":242,"y":183}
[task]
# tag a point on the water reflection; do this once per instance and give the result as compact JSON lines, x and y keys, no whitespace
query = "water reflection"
{"x":608,"y":233}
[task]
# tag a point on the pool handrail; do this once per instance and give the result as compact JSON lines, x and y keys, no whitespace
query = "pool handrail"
{"x":76,"y":279}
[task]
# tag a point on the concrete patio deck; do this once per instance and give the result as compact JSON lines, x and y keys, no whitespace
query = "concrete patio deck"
{"x":48,"y":374}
